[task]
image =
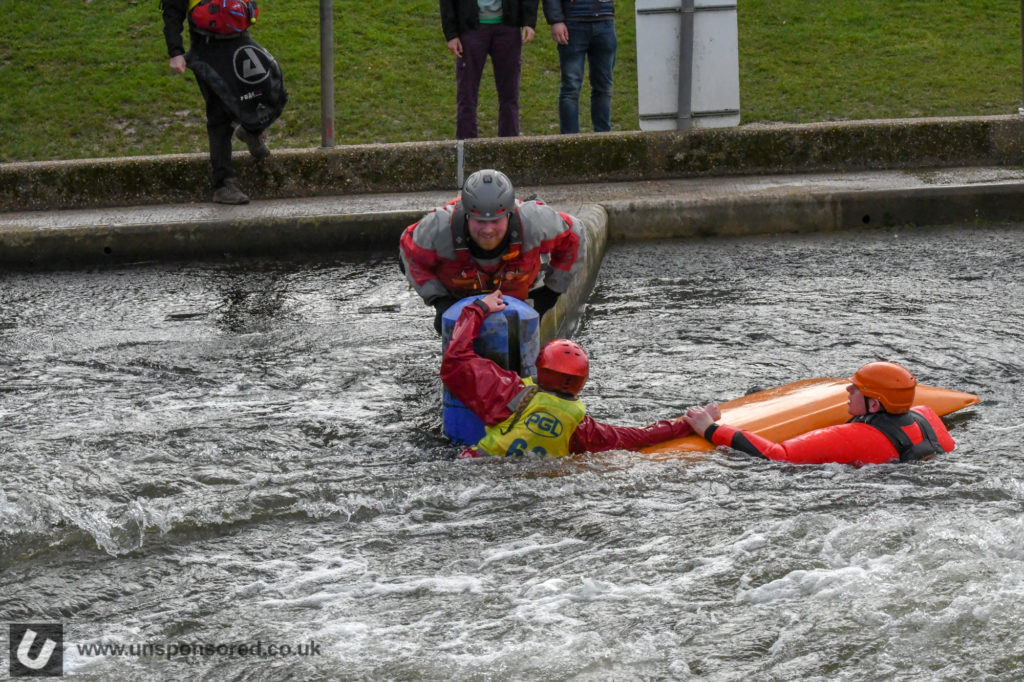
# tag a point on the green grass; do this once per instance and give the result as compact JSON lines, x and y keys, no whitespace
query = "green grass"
{"x":872,"y":59}
{"x":95,"y":82}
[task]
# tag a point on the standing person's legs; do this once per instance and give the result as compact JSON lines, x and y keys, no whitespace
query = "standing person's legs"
{"x":571,"y":60}
{"x":507,"y":60}
{"x":468,"y":70}
{"x":603,"y":44}
{"x":219,"y":129}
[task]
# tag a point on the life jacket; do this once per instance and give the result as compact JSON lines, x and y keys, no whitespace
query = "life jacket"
{"x":513,"y":275}
{"x":223,"y":17}
{"x":542,"y":424}
{"x":898,"y":428}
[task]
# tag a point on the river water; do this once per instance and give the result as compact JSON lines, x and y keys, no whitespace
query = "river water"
{"x":226,"y":455}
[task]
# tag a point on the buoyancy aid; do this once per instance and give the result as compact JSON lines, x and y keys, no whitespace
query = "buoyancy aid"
{"x":223,"y":17}
{"x":542,"y":424}
{"x":514,"y":274}
{"x":910,"y":433}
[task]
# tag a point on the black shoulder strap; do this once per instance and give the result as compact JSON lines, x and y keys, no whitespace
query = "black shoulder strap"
{"x":930,"y":437}
{"x":515,"y":226}
{"x":891,"y":426}
{"x":457,"y":224}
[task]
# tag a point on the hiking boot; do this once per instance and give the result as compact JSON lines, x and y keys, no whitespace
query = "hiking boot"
{"x":257,"y":143}
{"x":230,"y":193}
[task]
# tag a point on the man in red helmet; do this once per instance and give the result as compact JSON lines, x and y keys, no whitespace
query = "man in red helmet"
{"x":884,"y":428}
{"x":543,"y":418}
{"x":486,"y":239}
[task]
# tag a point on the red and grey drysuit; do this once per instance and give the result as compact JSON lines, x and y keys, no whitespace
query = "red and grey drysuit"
{"x":872,"y":439}
{"x":442,"y":262}
{"x":543,"y":423}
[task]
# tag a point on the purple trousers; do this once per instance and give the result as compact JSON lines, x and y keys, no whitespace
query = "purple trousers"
{"x":505,"y":46}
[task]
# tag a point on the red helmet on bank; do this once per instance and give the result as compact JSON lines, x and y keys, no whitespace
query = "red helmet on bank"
{"x":891,"y":384}
{"x":562,"y":366}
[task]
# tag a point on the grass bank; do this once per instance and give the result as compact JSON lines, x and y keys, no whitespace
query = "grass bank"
{"x":94,"y":82}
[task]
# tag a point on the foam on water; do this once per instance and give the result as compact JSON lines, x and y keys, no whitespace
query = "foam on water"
{"x":228,"y":454}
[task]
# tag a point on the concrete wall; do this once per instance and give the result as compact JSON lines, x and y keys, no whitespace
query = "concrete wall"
{"x":563,"y":318}
{"x":549,"y":160}
{"x":814,"y":210}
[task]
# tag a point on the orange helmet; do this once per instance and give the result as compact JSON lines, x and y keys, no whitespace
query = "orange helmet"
{"x":891,"y":384}
{"x":562,"y":366}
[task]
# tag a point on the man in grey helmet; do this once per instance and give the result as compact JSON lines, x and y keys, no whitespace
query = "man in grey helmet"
{"x":487,"y":240}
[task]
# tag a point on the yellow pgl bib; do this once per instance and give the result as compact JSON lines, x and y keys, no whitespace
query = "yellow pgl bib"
{"x":544,"y":427}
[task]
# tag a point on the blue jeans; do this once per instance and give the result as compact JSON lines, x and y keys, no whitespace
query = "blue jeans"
{"x":592,"y":41}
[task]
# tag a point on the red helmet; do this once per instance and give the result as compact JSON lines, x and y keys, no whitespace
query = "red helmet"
{"x":562,"y":366}
{"x":891,"y":384}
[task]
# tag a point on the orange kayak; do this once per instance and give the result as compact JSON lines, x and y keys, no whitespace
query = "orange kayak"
{"x":788,"y":411}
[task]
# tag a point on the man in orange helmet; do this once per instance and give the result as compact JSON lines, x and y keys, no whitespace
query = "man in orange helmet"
{"x":543,"y":418}
{"x":884,"y":428}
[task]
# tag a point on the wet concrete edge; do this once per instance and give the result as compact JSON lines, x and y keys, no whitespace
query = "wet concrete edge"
{"x":543,"y":160}
{"x":913,"y":145}
{"x":668,"y":217}
{"x":673,"y":218}
{"x":561,"y":321}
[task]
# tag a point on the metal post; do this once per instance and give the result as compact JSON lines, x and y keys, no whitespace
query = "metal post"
{"x":684,"y":112}
{"x":327,"y":73}
{"x":459,"y":163}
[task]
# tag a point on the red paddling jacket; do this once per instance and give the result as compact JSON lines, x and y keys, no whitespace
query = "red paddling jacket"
{"x":493,"y":394}
{"x":439,"y":263}
{"x":872,"y":439}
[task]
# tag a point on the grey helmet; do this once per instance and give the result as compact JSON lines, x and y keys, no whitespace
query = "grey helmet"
{"x":488,"y":195}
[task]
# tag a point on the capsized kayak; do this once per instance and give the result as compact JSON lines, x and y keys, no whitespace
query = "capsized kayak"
{"x":787,"y":411}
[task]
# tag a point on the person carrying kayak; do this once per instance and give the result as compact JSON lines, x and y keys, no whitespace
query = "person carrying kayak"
{"x":545,"y":417}
{"x":885,"y":427}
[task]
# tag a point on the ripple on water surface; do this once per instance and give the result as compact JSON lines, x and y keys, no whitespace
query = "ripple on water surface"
{"x":232,"y":453}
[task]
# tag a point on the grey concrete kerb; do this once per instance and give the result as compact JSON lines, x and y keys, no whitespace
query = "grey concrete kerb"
{"x":746,"y":180}
{"x":738,"y":205}
{"x":542,"y":161}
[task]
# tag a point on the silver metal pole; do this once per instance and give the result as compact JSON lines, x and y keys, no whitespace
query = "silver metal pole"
{"x":327,"y":73}
{"x":684,"y":111}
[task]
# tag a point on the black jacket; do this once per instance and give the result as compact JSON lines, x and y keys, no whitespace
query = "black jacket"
{"x":460,"y":16}
{"x":560,"y":11}
{"x":175,"y":13}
